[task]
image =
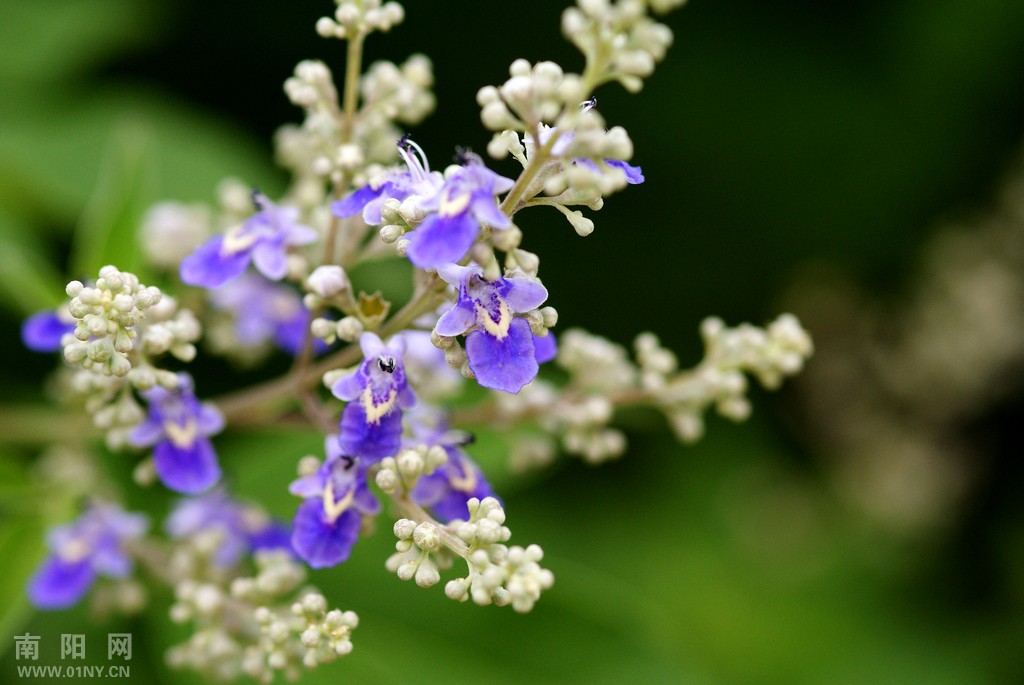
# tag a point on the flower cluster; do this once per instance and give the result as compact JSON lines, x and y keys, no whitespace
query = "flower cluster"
{"x":407,"y":380}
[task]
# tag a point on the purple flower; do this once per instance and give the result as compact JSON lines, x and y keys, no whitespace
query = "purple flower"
{"x":42,"y":332}
{"x":449,"y":487}
{"x":179,"y":426}
{"x":634,"y":175}
{"x":91,"y":546}
{"x":376,"y":392}
{"x":265,"y":311}
{"x":262,"y":239}
{"x":501,"y":348}
{"x":466,"y":200}
{"x":417,"y":180}
{"x":328,"y":520}
{"x":242,"y":529}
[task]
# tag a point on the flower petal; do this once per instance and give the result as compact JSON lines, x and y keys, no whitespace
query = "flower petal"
{"x":354,"y":203}
{"x":634,"y":175}
{"x":524,"y":294}
{"x":146,"y":433}
{"x":485,"y":209}
{"x":371,"y":345}
{"x":189,"y":470}
{"x":208,"y":268}
{"x":545,"y":348}
{"x":299,"y":234}
{"x":348,"y":387}
{"x":371,"y":441}
{"x":59,"y":584}
{"x":42,"y":331}
{"x":506,"y":364}
{"x":442,"y":240}
{"x":456,"y":320}
{"x":270,"y":259}
{"x":320,"y":543}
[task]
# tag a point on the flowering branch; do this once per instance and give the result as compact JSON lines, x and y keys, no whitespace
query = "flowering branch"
{"x":278,"y":278}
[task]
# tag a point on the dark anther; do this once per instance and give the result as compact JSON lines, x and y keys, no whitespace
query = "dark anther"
{"x":257,"y":199}
{"x":403,"y":142}
{"x":464,"y":155}
{"x":347,"y":462}
{"x":386,"y":364}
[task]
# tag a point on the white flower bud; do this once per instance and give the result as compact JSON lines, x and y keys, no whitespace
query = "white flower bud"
{"x":404,"y":529}
{"x":427,"y":537}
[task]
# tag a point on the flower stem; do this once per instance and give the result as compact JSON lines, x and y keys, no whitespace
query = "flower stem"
{"x":240,"y":408}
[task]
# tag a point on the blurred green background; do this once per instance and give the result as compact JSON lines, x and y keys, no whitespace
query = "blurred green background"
{"x":780,"y":141}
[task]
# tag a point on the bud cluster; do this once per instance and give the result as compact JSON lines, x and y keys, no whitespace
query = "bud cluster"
{"x":253,"y":629}
{"x":768,"y":354}
{"x":106,"y":315}
{"x":619,"y":40}
{"x":356,"y":18}
{"x":497,"y":573}
{"x":399,"y":474}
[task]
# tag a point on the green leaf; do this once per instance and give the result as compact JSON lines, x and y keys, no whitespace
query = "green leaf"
{"x":47,"y":39}
{"x":108,"y":230}
{"x":28,"y":281}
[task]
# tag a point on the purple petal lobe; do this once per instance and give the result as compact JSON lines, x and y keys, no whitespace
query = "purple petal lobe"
{"x":319,"y":542}
{"x":506,"y":364}
{"x":545,"y":348}
{"x":208,"y":268}
{"x":354,"y":203}
{"x":442,"y":240}
{"x":42,"y":331}
{"x":270,"y":259}
{"x":348,"y":387}
{"x":370,"y":441}
{"x":485,"y":209}
{"x":190,"y":470}
{"x":59,"y":584}
{"x":634,"y":175}
{"x":273,"y":536}
{"x":525,"y":294}
{"x":456,"y":320}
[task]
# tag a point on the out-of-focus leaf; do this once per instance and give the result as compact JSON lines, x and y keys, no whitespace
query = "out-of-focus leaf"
{"x":49,"y":163}
{"x":44,"y":39}
{"x":28,"y":281}
{"x":108,"y":229}
{"x":21,"y":543}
